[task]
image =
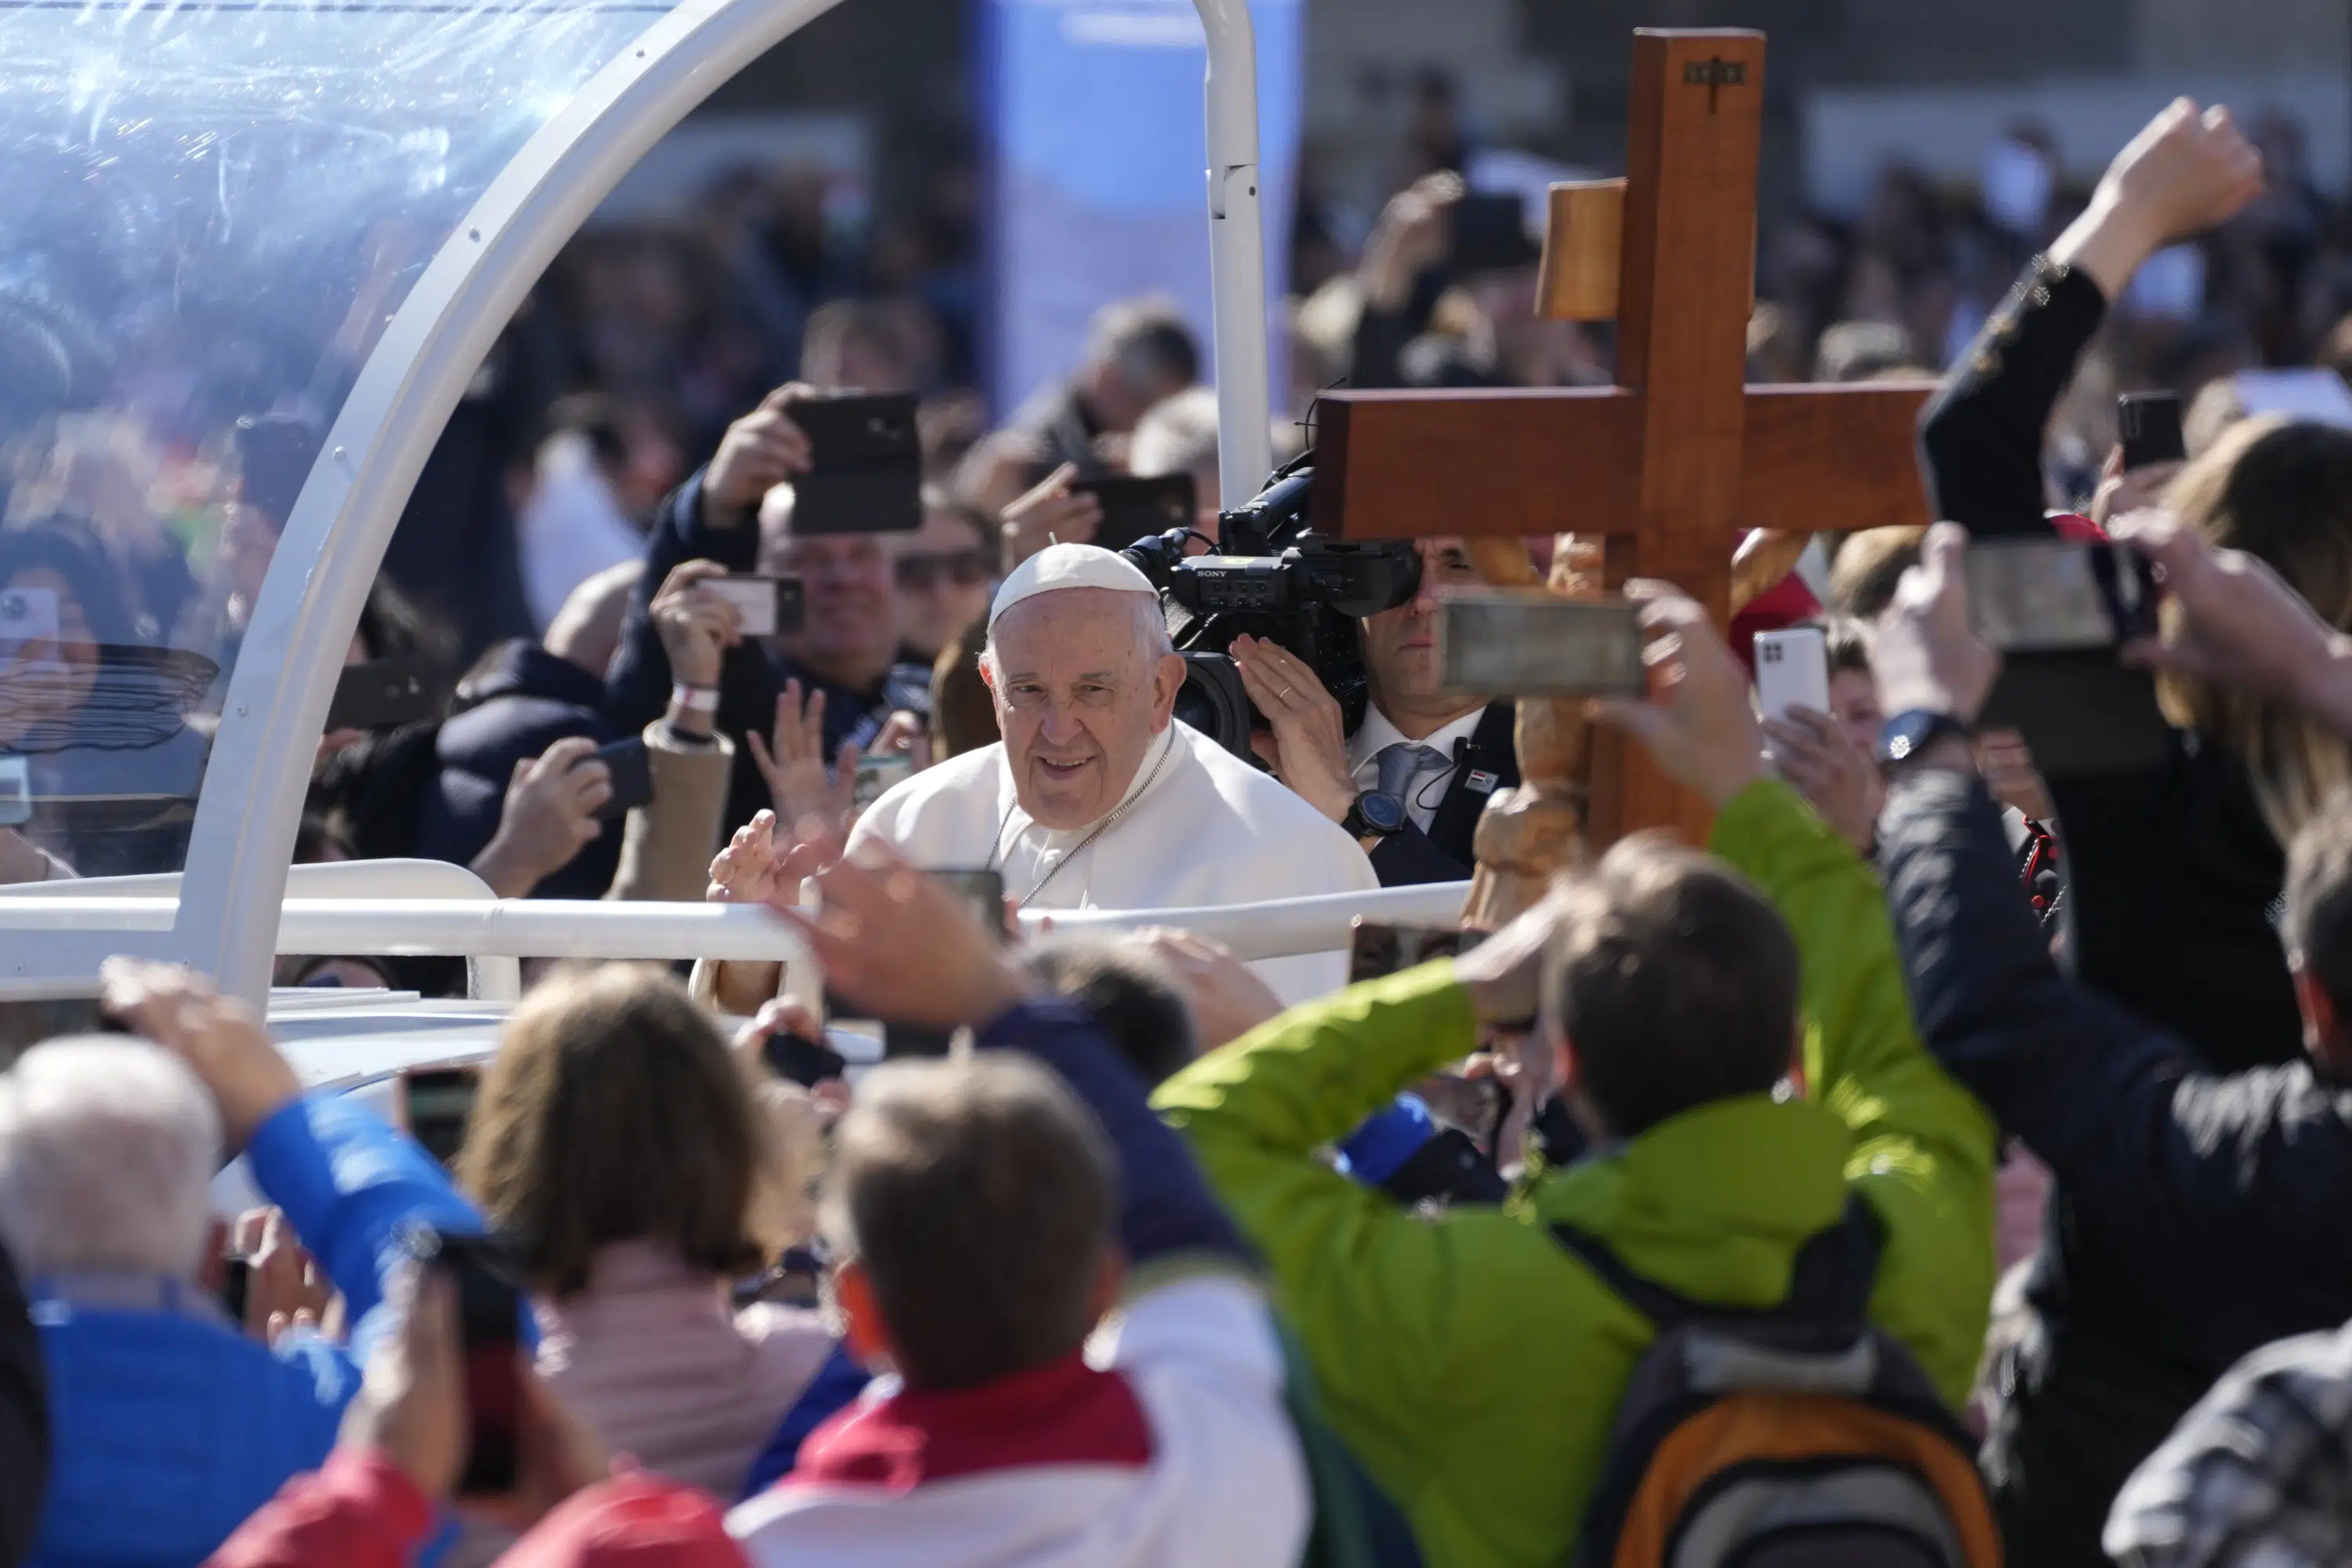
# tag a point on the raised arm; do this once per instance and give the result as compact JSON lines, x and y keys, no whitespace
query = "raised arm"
{"x":1924,"y":1150}
{"x":352,"y":1184}
{"x":1980,"y":439}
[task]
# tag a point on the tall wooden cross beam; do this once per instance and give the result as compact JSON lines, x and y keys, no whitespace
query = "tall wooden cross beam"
{"x":1661,"y":471}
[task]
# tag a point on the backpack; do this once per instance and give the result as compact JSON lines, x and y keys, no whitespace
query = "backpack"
{"x":1790,"y":1435}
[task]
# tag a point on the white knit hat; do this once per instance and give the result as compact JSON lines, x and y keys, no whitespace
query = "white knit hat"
{"x":1059,"y":567}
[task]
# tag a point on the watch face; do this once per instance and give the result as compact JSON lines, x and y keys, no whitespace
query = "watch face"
{"x":1906,"y":734}
{"x":1384,"y":813}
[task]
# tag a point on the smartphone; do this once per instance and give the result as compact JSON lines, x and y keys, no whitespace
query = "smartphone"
{"x":1496,"y":643}
{"x":865,"y":473}
{"x":489,"y":1323}
{"x":876,"y":776}
{"x":37,"y":1010}
{"x":2057,"y":609}
{"x":1792,"y":670}
{"x":1490,"y":234}
{"x":2055,"y":595}
{"x":769,"y":607}
{"x":983,"y":894}
{"x":2149,"y":423}
{"x":433,"y":1105}
{"x":385,"y":693}
{"x":1135,"y":510}
{"x":28,"y":615}
{"x":16,"y":791}
{"x":798,"y":1059}
{"x":1375,"y":949}
{"x":633,"y":777}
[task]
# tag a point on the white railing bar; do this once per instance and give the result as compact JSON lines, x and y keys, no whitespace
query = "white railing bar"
{"x":1281,"y":928}
{"x":559,"y":928}
{"x":388,"y":878}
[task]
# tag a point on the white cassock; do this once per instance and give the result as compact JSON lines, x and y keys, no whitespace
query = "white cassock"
{"x":1198,"y":826}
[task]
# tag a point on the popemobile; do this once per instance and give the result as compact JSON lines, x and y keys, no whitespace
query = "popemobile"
{"x":331,"y":210}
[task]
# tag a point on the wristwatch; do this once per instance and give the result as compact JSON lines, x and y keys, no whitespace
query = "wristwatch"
{"x":1907,"y":734}
{"x":1376,"y":814}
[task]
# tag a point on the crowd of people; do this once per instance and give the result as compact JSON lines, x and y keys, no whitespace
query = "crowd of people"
{"x":1933,"y":1168}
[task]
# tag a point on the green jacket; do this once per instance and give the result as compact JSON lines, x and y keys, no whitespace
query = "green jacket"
{"x":1473,"y":1364}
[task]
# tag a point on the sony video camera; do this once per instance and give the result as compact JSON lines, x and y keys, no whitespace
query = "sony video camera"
{"x":1272,"y":579}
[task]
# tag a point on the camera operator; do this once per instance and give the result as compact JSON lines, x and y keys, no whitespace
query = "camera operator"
{"x":1411,"y":781}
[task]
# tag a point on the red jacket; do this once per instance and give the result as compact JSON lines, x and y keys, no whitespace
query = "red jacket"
{"x":362,"y":1511}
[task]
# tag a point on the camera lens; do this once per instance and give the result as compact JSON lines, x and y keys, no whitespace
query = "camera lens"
{"x":1214,"y":701}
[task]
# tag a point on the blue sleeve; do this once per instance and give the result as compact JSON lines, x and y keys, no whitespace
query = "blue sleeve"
{"x":836,"y":1384}
{"x":1165,"y":1206}
{"x":1376,"y":1150}
{"x":352,"y":1186}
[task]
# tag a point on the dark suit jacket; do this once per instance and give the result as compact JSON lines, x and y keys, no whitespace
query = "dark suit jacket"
{"x":1486,"y":763}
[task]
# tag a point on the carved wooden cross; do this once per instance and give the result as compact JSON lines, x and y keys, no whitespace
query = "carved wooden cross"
{"x":1653,"y":477}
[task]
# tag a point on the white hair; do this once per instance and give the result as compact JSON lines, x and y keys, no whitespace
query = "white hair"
{"x":1151,"y":632}
{"x":107,"y":1152}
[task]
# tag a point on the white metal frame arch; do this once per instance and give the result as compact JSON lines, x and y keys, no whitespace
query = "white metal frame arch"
{"x":334,"y":540}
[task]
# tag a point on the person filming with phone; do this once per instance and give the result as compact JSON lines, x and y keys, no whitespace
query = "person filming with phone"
{"x":751,"y":511}
{"x":1412,"y":780}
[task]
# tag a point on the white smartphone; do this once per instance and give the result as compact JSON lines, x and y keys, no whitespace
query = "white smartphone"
{"x":769,"y":607}
{"x":1792,"y":670}
{"x":28,"y":615}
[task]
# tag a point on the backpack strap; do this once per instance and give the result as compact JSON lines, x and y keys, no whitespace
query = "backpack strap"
{"x":1830,"y":1280}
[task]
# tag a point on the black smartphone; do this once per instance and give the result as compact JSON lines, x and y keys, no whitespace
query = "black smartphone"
{"x":983,"y":893}
{"x":490,"y":1325}
{"x":633,"y":777}
{"x":769,"y":607}
{"x":31,"y":1012}
{"x":1141,"y":509}
{"x":435,"y":1103}
{"x":865,"y":473}
{"x":1490,"y":234}
{"x":236,"y":1287}
{"x":798,"y":1059}
{"x":385,"y":693}
{"x":2149,"y":423}
{"x":1375,"y":949}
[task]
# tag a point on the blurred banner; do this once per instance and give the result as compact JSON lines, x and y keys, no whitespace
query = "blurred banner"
{"x":1097,"y":170}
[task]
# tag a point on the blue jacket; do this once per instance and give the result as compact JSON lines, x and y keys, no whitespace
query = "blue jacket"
{"x":169,"y":1426}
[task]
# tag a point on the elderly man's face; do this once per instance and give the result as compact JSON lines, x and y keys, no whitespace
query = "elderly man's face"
{"x":851,"y":592}
{"x":1080,"y":694}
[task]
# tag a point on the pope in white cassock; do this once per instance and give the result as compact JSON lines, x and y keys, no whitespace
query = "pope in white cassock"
{"x":1097,"y":797}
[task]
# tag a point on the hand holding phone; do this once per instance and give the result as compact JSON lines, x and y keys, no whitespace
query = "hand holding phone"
{"x":486,"y":1285}
{"x":767,"y":607}
{"x":2149,"y":425}
{"x":982,"y":893}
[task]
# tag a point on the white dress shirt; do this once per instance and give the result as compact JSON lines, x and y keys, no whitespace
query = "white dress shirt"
{"x":1427,"y":791}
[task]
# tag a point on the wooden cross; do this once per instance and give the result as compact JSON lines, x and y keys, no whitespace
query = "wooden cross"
{"x":1651,"y":478}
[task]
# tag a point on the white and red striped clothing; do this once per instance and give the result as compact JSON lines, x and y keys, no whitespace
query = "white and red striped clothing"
{"x":1179,"y":1453}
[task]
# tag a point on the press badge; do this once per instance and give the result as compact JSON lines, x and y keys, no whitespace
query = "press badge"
{"x":1482,"y":782}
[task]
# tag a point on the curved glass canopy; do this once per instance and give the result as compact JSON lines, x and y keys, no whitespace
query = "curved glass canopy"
{"x":212,"y":212}
{"x":250,"y":251}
